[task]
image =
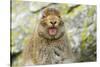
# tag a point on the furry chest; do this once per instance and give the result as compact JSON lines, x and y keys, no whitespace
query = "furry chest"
{"x":52,"y":54}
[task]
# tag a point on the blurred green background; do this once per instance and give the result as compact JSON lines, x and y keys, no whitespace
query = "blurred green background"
{"x":80,"y":23}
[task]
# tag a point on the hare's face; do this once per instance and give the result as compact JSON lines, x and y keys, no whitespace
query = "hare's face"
{"x":51,"y":27}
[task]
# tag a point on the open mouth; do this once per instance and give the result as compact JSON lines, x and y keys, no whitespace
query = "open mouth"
{"x":52,"y":31}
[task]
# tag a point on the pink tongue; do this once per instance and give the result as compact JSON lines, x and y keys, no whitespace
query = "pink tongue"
{"x":52,"y":31}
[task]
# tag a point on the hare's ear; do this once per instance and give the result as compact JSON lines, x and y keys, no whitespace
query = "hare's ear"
{"x":43,"y":15}
{"x":45,"y":12}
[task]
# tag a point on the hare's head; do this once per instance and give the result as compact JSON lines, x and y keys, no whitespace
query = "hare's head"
{"x":51,"y":25}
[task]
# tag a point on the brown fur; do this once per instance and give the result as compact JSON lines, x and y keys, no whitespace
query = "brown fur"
{"x":44,"y":48}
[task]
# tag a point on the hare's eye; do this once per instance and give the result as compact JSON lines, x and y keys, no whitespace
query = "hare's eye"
{"x":61,"y":23}
{"x":43,"y":23}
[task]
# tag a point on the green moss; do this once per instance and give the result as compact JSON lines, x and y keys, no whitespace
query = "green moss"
{"x":90,"y":39}
{"x":84,"y":34}
{"x":91,"y":11}
{"x":14,"y":35}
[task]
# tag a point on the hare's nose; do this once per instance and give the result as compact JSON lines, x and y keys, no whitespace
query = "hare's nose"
{"x":53,"y":23}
